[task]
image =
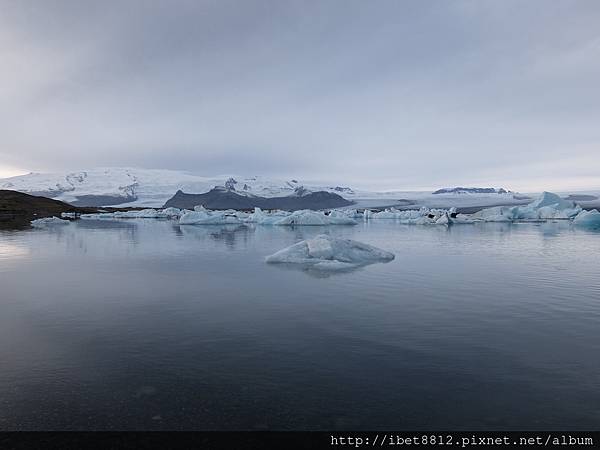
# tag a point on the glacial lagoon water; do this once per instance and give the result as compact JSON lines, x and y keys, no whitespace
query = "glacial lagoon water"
{"x":142,"y":324}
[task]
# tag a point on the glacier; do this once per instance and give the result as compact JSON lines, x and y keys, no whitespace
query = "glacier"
{"x":327,"y":253}
{"x":127,"y":186}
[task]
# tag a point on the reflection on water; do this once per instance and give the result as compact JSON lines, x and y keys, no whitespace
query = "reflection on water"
{"x":229,"y":234}
{"x":143,"y":324}
{"x":10,"y":250}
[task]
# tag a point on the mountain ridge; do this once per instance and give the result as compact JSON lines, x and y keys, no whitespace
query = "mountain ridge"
{"x":148,"y":187}
{"x":223,"y":198}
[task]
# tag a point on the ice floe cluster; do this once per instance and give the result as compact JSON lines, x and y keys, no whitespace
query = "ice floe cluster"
{"x":423,"y":216}
{"x":201,"y":216}
{"x":324,"y":252}
{"x":166,"y":213}
{"x":548,"y":206}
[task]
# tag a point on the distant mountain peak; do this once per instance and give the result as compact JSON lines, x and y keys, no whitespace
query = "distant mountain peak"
{"x":471,"y":190}
{"x":230,"y":184}
{"x":301,"y":191}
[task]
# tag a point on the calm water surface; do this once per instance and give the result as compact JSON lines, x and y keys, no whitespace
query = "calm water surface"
{"x":148,"y":325}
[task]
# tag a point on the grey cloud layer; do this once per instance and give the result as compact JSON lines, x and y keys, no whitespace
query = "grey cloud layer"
{"x":387,"y":94}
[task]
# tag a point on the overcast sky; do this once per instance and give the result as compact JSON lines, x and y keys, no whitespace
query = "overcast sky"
{"x":379,"y":94}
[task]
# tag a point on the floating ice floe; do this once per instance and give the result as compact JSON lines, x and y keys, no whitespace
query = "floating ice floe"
{"x":170,"y":212}
{"x":309,"y":217}
{"x":423,"y":216}
{"x":302,"y":218}
{"x":208,"y":218}
{"x":588,"y":219}
{"x":48,"y":221}
{"x":149,"y":213}
{"x":262,"y":218}
{"x":328,"y":253}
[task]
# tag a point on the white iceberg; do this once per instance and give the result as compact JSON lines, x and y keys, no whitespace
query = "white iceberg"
{"x":148,"y":213}
{"x":262,"y":218}
{"x":309,"y":217}
{"x":205,"y":218}
{"x":494,"y":214}
{"x":463,"y":219}
{"x":550,"y":199}
{"x":349,"y":213}
{"x":387,"y":214}
{"x":444,"y":219}
{"x":328,"y":253}
{"x":423,"y":216}
{"x":588,"y":219}
{"x":48,"y":221}
{"x":97,"y":216}
{"x":547,"y":206}
{"x":169,"y":213}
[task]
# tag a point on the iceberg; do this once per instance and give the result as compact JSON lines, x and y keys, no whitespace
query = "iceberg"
{"x":48,"y":221}
{"x":169,"y":213}
{"x":149,"y":213}
{"x":262,"y":218}
{"x":272,"y":219}
{"x":423,"y":216}
{"x":494,"y":214}
{"x":550,"y":199}
{"x":309,"y":217}
{"x":345,"y":214}
{"x":387,"y":214}
{"x":328,"y":253}
{"x":547,"y":206}
{"x":588,"y":219}
{"x":98,"y":216}
{"x":463,"y":219}
{"x":443,"y":220}
{"x":204,"y":218}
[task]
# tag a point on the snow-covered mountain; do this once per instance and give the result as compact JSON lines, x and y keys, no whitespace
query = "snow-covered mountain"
{"x":149,"y":187}
{"x":153,"y":187}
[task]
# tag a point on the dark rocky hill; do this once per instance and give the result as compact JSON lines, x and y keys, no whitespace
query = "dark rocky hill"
{"x":220,"y":198}
{"x":17,"y":208}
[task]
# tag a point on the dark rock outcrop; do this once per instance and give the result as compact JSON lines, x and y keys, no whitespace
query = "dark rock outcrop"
{"x":17,"y":208}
